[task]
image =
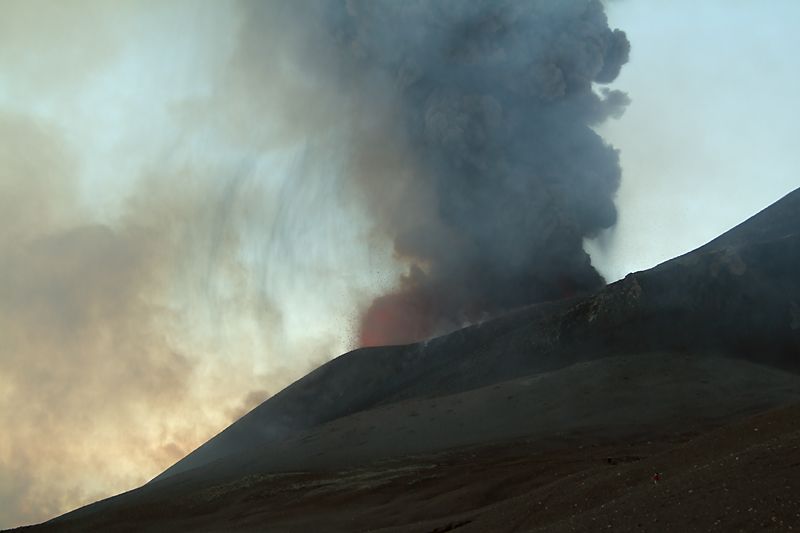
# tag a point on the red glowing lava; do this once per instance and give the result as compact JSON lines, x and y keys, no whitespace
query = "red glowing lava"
{"x":397,"y":319}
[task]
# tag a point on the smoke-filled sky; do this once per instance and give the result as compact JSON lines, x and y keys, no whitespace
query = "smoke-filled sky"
{"x":199,"y":201}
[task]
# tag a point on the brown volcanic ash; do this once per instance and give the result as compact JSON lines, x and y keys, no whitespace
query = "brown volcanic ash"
{"x":495,"y":104}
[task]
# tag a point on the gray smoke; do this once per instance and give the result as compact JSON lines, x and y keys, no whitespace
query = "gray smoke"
{"x":490,"y":105}
{"x":186,"y":190}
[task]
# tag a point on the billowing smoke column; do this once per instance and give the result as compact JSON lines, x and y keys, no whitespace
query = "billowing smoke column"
{"x":496,"y":104}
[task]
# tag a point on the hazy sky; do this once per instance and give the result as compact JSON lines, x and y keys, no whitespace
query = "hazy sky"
{"x":173,"y":249}
{"x":710,"y":136}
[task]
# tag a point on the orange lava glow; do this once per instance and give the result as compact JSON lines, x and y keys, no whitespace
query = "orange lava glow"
{"x":397,"y":319}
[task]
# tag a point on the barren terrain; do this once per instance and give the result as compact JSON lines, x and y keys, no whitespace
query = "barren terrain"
{"x":741,"y":477}
{"x":551,"y":418}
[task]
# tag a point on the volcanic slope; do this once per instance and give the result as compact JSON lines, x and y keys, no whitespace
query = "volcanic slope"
{"x":738,"y":296}
{"x":740,"y":477}
{"x":664,"y":354}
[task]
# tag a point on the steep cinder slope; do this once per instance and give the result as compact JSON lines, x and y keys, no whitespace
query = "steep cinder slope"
{"x":737,"y":296}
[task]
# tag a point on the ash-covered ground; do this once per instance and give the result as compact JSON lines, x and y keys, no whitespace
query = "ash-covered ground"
{"x":555,"y":417}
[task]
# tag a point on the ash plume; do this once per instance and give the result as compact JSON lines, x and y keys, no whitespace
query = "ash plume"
{"x":193,"y":197}
{"x":495,"y":176}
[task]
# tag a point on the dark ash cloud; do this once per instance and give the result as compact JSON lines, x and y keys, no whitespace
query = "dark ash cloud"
{"x":496,"y":175}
